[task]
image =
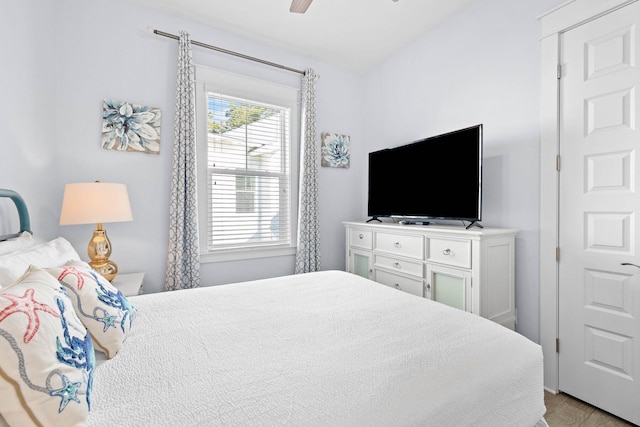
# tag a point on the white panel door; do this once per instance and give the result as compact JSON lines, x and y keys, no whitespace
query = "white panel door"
{"x":599,"y":297}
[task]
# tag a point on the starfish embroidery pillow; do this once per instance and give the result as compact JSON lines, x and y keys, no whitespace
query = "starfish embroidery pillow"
{"x":104,"y":310}
{"x":46,"y":355}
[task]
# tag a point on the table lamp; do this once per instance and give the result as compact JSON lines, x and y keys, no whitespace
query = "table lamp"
{"x":97,"y":203}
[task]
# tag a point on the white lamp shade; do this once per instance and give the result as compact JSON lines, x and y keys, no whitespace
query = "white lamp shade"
{"x":95,"y":203}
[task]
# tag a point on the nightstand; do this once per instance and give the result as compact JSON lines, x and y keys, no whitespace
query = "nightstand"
{"x":129,"y":284}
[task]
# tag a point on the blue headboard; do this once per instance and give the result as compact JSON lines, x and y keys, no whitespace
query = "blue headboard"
{"x":23,"y":212}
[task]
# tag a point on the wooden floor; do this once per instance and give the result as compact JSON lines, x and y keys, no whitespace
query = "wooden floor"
{"x":564,"y":410}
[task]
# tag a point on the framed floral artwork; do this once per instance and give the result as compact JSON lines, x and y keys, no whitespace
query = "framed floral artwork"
{"x":130,"y":127}
{"x":335,"y":150}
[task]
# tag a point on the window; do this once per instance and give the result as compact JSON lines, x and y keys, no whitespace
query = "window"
{"x":246,"y":192}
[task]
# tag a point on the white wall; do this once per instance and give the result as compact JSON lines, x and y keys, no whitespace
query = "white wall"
{"x":480,"y":66}
{"x":27,"y":108}
{"x":70,"y":55}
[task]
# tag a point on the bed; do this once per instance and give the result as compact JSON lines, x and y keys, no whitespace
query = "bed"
{"x":325,"y":348}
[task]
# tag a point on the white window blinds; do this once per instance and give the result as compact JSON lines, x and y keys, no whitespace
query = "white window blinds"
{"x":248,"y":174}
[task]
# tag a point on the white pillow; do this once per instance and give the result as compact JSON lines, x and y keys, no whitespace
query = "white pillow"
{"x":15,"y":244}
{"x":54,"y":253}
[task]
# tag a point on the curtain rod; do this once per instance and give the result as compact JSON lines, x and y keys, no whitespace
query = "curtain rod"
{"x":229,"y":52}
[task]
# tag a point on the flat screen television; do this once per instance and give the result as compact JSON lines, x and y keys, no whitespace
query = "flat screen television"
{"x":435,"y":178}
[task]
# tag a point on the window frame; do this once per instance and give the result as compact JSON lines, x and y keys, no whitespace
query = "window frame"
{"x":260,"y":91}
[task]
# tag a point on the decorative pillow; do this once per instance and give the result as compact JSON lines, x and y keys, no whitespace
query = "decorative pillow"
{"x":46,"y":355}
{"x":104,"y":310}
{"x":54,"y":253}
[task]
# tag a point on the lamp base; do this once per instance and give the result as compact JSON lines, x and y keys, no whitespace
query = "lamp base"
{"x":108,"y":270}
{"x":99,"y":250}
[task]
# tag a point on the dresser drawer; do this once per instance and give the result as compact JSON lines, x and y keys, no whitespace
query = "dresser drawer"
{"x":360,"y":238}
{"x":450,"y":252}
{"x":399,"y":244}
{"x":402,"y":266}
{"x":412,"y":286}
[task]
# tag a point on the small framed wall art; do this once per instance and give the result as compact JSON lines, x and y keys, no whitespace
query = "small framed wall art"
{"x":130,"y":127}
{"x":336,"y":150}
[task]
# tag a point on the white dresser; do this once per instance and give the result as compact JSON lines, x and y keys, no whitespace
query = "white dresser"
{"x":472,"y":270}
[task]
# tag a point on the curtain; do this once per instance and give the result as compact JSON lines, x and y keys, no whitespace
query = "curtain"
{"x":183,"y":260}
{"x":308,"y":251}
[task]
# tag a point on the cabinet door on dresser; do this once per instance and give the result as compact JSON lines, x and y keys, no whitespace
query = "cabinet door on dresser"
{"x":450,"y":286}
{"x":359,"y":255}
{"x":360,"y":263}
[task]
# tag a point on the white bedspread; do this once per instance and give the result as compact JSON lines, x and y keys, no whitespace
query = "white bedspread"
{"x":326,"y":349}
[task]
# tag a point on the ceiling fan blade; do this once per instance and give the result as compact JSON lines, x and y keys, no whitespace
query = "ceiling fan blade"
{"x":299,"y":6}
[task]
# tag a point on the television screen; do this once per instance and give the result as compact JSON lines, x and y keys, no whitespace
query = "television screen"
{"x":434,"y":178}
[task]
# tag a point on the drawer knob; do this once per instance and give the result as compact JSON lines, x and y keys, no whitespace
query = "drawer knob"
{"x":428,"y":286}
{"x":447,"y":251}
{"x":397,"y":286}
{"x":396,"y":265}
{"x":397,"y":244}
{"x":361,"y":236}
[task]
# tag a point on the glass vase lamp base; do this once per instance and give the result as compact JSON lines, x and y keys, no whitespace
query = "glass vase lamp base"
{"x":99,"y":250}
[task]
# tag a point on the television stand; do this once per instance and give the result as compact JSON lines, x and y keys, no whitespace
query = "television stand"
{"x":472,"y":270}
{"x":374,"y":218}
{"x":408,"y":222}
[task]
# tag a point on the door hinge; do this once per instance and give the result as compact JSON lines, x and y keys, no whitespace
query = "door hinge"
{"x":557,"y":345}
{"x":559,"y":71}
{"x":557,"y":254}
{"x":558,"y":162}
